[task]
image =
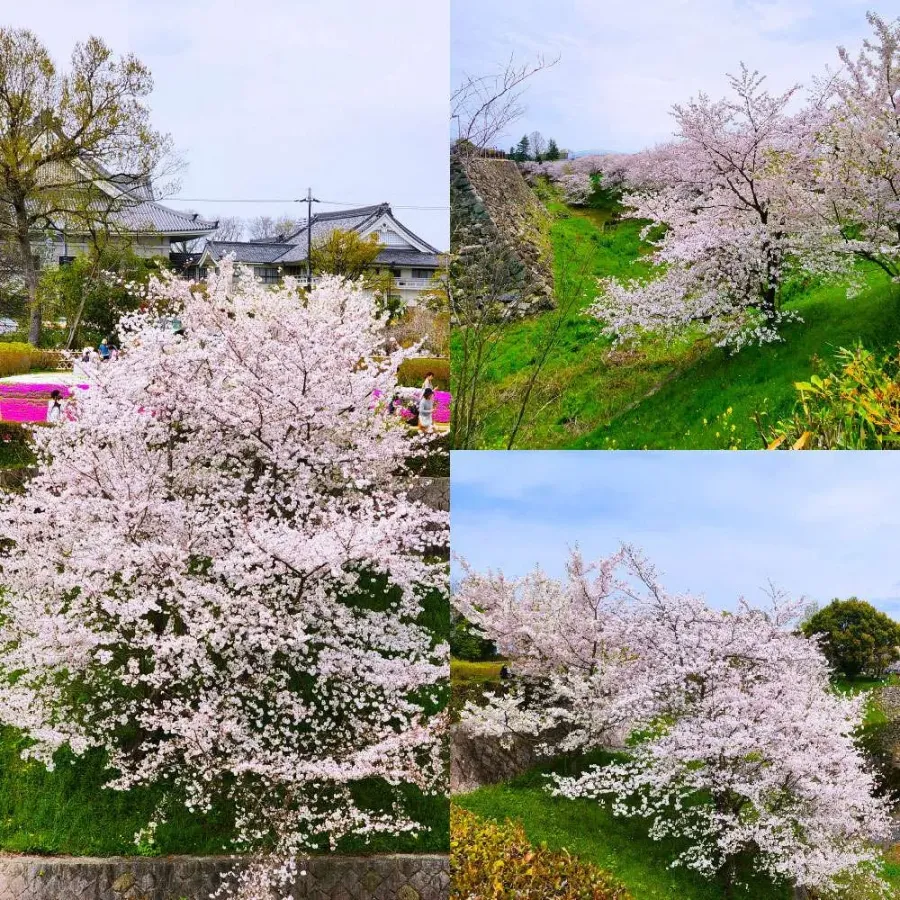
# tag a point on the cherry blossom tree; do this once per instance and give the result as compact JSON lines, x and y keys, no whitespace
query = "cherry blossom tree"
{"x":730,"y":216}
{"x":217,"y":575}
{"x":858,"y":165}
{"x":737,"y":743}
{"x":575,"y":176}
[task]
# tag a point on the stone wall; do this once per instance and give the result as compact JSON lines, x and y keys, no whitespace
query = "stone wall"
{"x":435,"y":492}
{"x":424,"y":877}
{"x":476,"y":761}
{"x":490,"y":201}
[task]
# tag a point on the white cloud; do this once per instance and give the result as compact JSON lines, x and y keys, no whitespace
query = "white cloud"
{"x":622,"y":69}
{"x":719,"y":523}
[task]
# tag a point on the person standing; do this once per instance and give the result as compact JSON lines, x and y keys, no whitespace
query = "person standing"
{"x":104,"y":350}
{"x":426,"y":411}
{"x":54,"y":410}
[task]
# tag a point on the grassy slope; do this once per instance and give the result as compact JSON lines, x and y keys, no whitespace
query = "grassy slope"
{"x":579,"y":385}
{"x":622,"y":846}
{"x":658,"y":395}
{"x":756,"y":378}
{"x":590,"y":831}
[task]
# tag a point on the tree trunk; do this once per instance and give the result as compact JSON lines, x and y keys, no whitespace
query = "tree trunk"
{"x":29,"y":272}
{"x":768,"y":303}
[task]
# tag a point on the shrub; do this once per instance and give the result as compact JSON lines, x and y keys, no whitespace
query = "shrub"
{"x":495,"y":861}
{"x":19,"y":359}
{"x":15,"y":450}
{"x":15,"y":359}
{"x":412,"y":372}
{"x":468,"y":643}
{"x":854,"y":408}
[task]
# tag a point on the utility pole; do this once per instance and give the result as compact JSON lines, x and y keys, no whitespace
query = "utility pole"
{"x":309,"y":202}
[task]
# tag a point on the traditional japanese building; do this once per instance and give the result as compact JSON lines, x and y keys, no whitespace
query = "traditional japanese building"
{"x":411,"y":261}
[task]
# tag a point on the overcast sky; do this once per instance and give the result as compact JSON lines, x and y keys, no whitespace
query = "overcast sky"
{"x":268,"y":97}
{"x":623,"y":65}
{"x":823,"y":525}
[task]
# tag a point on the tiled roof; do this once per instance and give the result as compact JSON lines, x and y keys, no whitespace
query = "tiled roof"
{"x":247,"y":252}
{"x":413,"y":258}
{"x":291,"y":249}
{"x":324,"y":223}
{"x":152,"y":216}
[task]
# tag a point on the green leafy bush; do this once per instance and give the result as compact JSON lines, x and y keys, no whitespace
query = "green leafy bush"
{"x":857,"y":638}
{"x":97,"y":289}
{"x":15,"y":359}
{"x":495,"y":861}
{"x":467,"y":643}
{"x":855,"y":408}
{"x":412,"y":372}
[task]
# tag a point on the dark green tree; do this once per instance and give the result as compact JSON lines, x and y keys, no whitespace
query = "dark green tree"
{"x":552,"y":150}
{"x":857,"y":638}
{"x":92,"y":292}
{"x":523,"y":150}
{"x":466,"y":642}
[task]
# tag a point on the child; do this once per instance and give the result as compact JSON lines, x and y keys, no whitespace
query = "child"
{"x":426,"y":411}
{"x":54,"y":410}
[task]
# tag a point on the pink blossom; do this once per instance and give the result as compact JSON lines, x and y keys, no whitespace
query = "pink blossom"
{"x":178,"y":586}
{"x":738,"y":743}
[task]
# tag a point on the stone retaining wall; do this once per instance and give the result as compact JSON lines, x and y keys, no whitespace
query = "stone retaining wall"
{"x":399,"y":877}
{"x":476,"y":760}
{"x":491,"y":205}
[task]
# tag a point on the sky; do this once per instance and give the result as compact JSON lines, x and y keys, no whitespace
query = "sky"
{"x":622,"y":65}
{"x":722,"y":524}
{"x":265,"y":99}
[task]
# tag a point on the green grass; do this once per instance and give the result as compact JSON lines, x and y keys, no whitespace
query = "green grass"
{"x":756,"y":378}
{"x":590,"y":831}
{"x":464,"y":672}
{"x":69,"y":812}
{"x":657,"y":394}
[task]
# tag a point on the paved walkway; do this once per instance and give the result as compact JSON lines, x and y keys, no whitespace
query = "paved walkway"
{"x":65,"y":377}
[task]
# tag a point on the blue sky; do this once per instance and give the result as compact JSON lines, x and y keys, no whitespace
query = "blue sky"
{"x":822,"y":525}
{"x":623,"y":65}
{"x":266,"y":98}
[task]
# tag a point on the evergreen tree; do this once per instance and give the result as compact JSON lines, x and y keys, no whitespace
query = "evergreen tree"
{"x":523,"y":150}
{"x":552,"y":150}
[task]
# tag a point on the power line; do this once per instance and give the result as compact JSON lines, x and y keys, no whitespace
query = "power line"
{"x":282,"y":200}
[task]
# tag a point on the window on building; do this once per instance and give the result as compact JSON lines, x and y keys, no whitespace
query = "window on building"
{"x":268,"y":274}
{"x":421,"y":273}
{"x":397,"y":273}
{"x":66,"y":260}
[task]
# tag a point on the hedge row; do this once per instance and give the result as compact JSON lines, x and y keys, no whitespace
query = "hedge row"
{"x":19,"y":359}
{"x":495,"y":861}
{"x":412,"y":372}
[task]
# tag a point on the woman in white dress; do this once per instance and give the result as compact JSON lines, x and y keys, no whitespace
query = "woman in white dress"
{"x":426,"y":411}
{"x":54,"y":410}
